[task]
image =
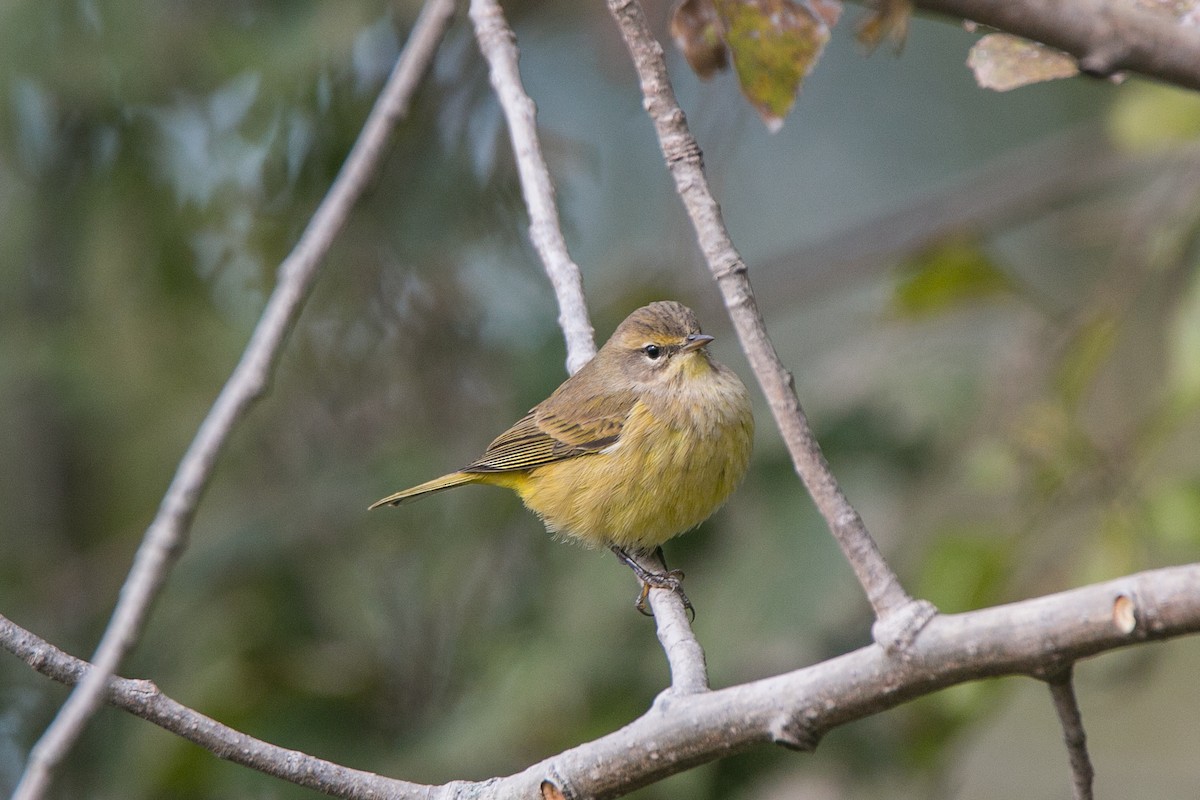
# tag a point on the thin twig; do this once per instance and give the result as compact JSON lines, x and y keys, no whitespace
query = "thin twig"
{"x":898,"y":616}
{"x":498,"y":45}
{"x":1062,"y":690}
{"x":167,"y":534}
{"x":1105,"y":37}
{"x":795,"y":709}
{"x":685,"y":656}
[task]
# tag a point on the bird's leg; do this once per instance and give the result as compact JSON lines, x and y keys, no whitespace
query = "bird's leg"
{"x":669,"y":579}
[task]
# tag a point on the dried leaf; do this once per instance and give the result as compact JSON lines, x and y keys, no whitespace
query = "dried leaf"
{"x":697,"y":32}
{"x":774,"y":44}
{"x":1003,"y":62}
{"x":887,"y":20}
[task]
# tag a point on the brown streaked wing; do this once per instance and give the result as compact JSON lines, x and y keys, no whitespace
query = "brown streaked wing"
{"x":543,"y":437}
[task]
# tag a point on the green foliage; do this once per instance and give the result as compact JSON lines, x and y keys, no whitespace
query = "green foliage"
{"x":1173,"y":510}
{"x":946,"y":276}
{"x":1023,"y":418}
{"x":774,"y":45}
{"x":962,"y":570}
{"x":1151,"y":116}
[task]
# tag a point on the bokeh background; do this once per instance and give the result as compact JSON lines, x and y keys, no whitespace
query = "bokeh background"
{"x":990,"y":301}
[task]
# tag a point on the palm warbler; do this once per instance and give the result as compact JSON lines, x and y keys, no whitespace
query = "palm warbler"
{"x":643,"y":443}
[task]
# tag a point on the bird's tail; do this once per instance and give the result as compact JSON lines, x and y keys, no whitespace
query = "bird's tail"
{"x":428,"y":487}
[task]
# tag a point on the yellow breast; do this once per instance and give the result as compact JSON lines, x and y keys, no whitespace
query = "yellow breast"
{"x":678,"y":459}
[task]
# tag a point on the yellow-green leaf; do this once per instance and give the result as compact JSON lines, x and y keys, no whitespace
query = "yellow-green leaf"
{"x":965,"y":568}
{"x":1147,"y":116}
{"x":774,"y":44}
{"x":947,"y":276}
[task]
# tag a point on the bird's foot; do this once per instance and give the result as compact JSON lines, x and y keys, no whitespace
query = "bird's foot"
{"x":672,"y":580}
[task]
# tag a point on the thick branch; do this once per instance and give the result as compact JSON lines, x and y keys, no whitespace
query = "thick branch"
{"x":1033,"y":637}
{"x":1105,"y":36}
{"x":167,"y":534}
{"x":498,"y":45}
{"x":685,"y":162}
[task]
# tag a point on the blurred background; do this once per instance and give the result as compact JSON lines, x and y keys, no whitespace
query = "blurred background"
{"x":991,"y":304}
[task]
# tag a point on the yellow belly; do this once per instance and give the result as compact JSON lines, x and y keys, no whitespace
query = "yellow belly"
{"x":665,"y":476}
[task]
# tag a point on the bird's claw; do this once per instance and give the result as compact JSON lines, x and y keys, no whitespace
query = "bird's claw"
{"x":672,"y":581}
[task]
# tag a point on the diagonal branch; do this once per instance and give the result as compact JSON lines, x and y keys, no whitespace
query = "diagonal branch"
{"x":1032,"y":637}
{"x":144,"y":699}
{"x":1106,"y":37}
{"x":498,"y":45}
{"x":899,"y":617}
{"x":167,"y":534}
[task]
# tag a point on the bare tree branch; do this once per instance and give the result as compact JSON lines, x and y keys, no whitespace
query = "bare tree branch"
{"x":685,"y":656}
{"x":498,"y":45}
{"x":899,"y":617}
{"x":144,"y":699}
{"x":1032,"y":637}
{"x":1106,"y":37}
{"x":167,"y":534}
{"x":1062,"y":691}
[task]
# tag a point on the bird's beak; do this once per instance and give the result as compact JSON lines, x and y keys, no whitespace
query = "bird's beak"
{"x":695,"y":341}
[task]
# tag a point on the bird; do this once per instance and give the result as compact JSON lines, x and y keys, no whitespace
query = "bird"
{"x":643,"y":443}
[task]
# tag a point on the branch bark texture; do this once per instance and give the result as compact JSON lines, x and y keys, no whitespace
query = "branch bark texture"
{"x":498,"y":45}
{"x":1033,"y":637}
{"x":900,"y":616}
{"x":167,"y":534}
{"x":1104,"y":36}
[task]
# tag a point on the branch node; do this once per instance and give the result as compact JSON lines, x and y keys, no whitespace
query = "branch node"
{"x":795,"y":732}
{"x":1136,"y":614}
{"x":1102,"y":62}
{"x":897,"y":630}
{"x":556,"y":787}
{"x":734,"y":269}
{"x":1125,"y":613}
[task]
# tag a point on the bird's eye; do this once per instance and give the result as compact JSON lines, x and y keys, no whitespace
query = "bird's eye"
{"x":652,"y":351}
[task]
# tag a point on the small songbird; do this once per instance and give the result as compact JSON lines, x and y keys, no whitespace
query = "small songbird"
{"x":644,"y":442}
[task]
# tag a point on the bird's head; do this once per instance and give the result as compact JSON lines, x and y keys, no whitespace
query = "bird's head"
{"x":659,"y":344}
